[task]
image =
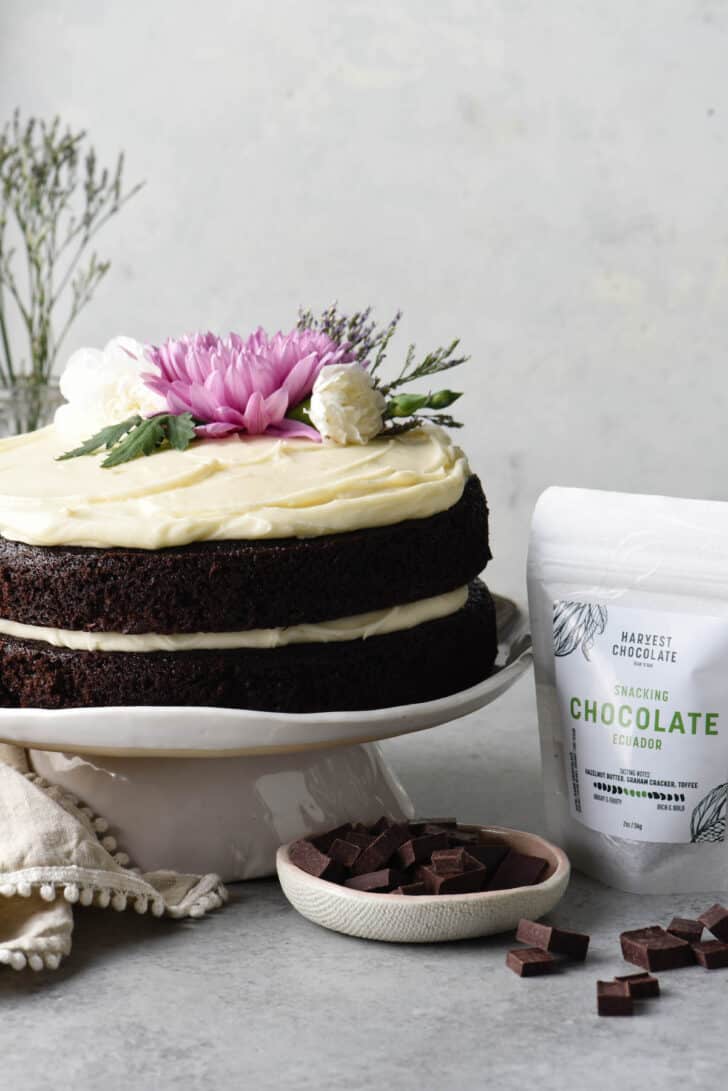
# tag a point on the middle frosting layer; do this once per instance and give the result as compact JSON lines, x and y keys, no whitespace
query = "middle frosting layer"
{"x":359,"y":627}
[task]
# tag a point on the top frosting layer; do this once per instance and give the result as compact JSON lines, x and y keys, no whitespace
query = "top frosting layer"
{"x":245,"y":488}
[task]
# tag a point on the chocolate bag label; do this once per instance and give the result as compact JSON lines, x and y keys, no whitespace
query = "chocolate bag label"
{"x":643,"y":700}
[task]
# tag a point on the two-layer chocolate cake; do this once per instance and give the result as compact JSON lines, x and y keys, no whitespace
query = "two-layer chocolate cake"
{"x":243,"y":570}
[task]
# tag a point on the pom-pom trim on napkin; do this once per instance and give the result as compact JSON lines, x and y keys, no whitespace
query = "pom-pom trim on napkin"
{"x":118,"y":890}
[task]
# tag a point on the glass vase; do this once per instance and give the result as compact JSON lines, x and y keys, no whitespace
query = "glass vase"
{"x":27,"y":404}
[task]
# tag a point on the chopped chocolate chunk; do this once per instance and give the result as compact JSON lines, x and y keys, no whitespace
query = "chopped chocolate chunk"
{"x":614,"y":998}
{"x":452,"y":882}
{"x":641,"y":986}
{"x":463,"y":837}
{"x":306,"y":856}
{"x":382,"y":849}
{"x":471,"y":862}
{"x":419,"y":849}
{"x":358,"y":837}
{"x":411,"y":888}
{"x":324,"y":841}
{"x":713,"y":954}
{"x":376,"y":882}
{"x":466,"y":862}
{"x":689,"y":930}
{"x":517,"y":869}
{"x":715,"y":920}
{"x":448,"y":859}
{"x":531,"y":961}
{"x":573,"y":945}
{"x":655,"y":949}
{"x":432,"y":856}
{"x":433,"y":827}
{"x":491,"y":856}
{"x":344,"y":852}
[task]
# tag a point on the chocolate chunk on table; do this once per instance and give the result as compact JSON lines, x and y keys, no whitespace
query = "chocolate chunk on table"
{"x":517,"y":869}
{"x":382,"y":849}
{"x":344,"y":852}
{"x":684,"y":928}
{"x":419,"y":849}
{"x":712,"y":954}
{"x":531,"y":962}
{"x":641,"y":986}
{"x":453,"y":882}
{"x":653,"y":948}
{"x":559,"y":941}
{"x":376,"y":882}
{"x":305,"y":855}
{"x":614,"y":998}
{"x":715,"y":920}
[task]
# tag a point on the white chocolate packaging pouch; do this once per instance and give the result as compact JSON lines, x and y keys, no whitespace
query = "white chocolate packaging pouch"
{"x":628,"y":597}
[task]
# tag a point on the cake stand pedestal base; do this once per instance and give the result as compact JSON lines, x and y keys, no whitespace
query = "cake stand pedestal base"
{"x":267,"y":778}
{"x":227,"y":815}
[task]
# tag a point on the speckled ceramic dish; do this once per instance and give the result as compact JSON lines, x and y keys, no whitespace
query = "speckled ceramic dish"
{"x":398,"y":918}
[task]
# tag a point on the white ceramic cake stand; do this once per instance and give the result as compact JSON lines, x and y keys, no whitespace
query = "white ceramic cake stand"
{"x":268,"y":778}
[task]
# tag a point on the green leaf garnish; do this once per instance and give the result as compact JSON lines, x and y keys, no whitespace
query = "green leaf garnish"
{"x":107,"y":437}
{"x":138,"y":436}
{"x":181,"y":431}
{"x":146,"y":438}
{"x":301,"y":412}
{"x":407,"y":405}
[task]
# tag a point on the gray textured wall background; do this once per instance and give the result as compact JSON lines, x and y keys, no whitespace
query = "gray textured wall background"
{"x":545,"y":180}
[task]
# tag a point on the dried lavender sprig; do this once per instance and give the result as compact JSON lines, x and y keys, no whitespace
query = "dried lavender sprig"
{"x":394,"y":427}
{"x":371,"y":343}
{"x":442,"y":359}
{"x":55,"y":199}
{"x":365,"y":338}
{"x":358,"y":329}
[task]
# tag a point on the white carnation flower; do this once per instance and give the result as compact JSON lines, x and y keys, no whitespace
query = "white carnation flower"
{"x":345,"y":406}
{"x":103,"y":387}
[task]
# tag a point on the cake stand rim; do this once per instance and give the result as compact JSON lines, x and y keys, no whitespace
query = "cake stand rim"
{"x":86,"y":730}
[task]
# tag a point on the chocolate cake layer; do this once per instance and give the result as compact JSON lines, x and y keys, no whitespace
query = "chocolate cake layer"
{"x":420,"y":664}
{"x":238,"y":585}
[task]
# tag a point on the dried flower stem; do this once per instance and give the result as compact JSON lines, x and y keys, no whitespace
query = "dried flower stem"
{"x":371,"y":343}
{"x":54,"y":198}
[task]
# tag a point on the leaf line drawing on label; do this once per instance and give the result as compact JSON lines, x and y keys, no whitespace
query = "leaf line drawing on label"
{"x":709,"y":817}
{"x":576,"y":625}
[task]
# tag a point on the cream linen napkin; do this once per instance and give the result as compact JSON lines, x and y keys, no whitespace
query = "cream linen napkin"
{"x":54,"y":854}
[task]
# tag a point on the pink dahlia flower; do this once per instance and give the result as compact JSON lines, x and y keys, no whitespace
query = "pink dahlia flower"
{"x":236,"y":385}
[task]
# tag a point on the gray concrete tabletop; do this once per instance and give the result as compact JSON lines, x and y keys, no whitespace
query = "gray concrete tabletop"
{"x":257,"y":996}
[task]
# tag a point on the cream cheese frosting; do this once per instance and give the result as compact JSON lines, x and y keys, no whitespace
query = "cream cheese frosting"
{"x":235,"y":488}
{"x":359,"y":627}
